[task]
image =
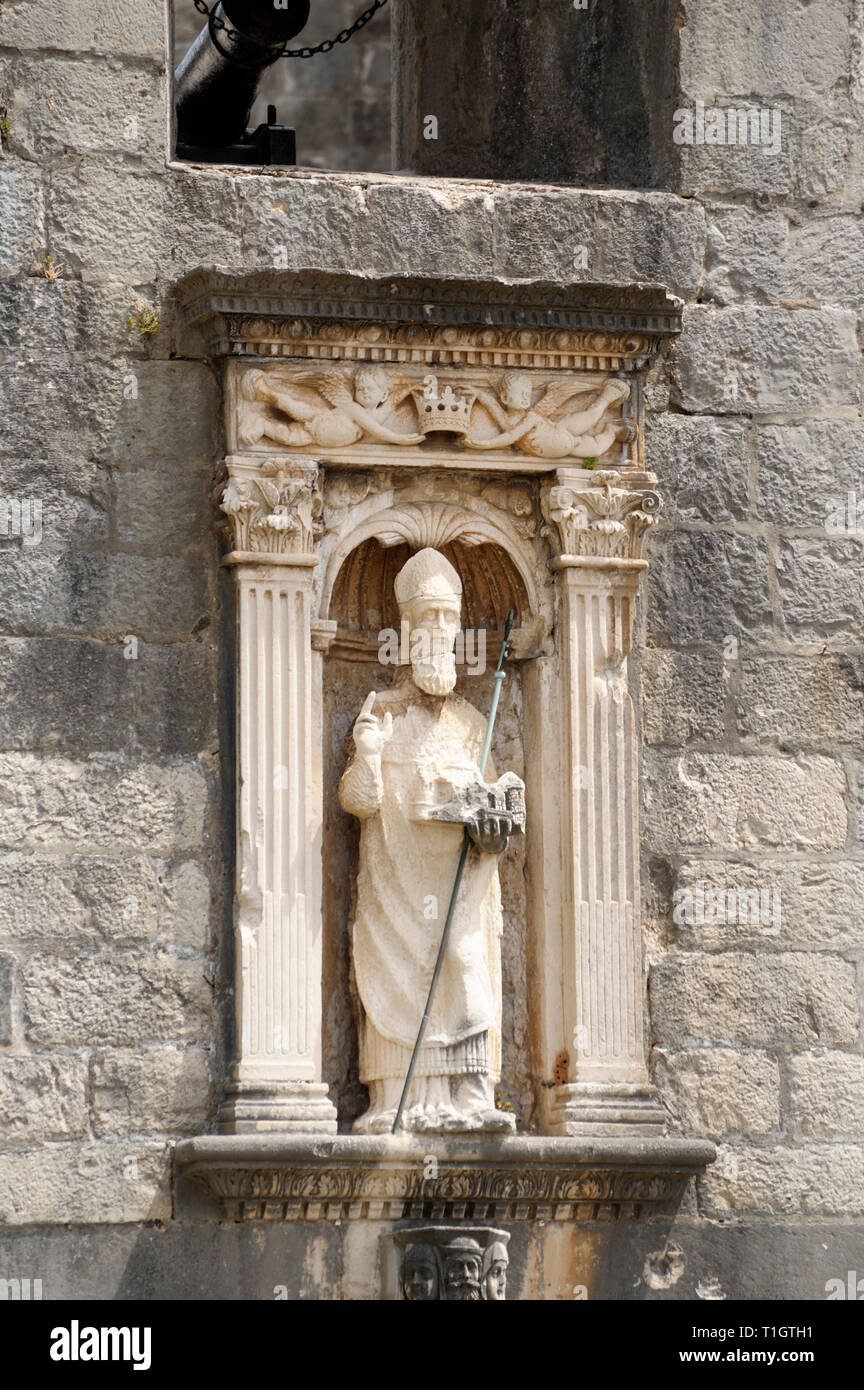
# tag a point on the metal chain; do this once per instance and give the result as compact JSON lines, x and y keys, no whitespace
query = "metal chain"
{"x":360,"y":23}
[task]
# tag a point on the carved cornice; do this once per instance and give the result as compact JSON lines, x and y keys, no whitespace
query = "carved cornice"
{"x":600,"y":523}
{"x":313,"y":313}
{"x":263,"y":1179}
{"x":275,"y":513}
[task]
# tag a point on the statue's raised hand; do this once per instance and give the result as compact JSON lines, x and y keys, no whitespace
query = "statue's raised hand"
{"x":370,"y":732}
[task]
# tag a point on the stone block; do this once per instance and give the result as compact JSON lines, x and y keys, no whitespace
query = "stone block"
{"x":821,"y":594}
{"x":161,"y":512}
{"x":84,"y":1183}
{"x":801,"y":702}
{"x":123,"y":29}
{"x":746,"y":255}
{"x":171,"y":418}
{"x":683,"y":696}
{"x":803,"y":905}
{"x":627,"y":237}
{"x":716,"y":1091}
{"x":115,"y":1001}
{"x":58,"y":106}
{"x":827,"y":1094}
{"x":702,"y":465}
{"x":175,"y":690}
{"x":104,"y":803}
{"x":786,"y":998}
{"x":67,"y":502}
{"x":7,"y":987}
{"x":104,"y":596}
{"x":22,"y":216}
{"x":141,"y":226}
{"x":826,"y":460}
{"x":160,"y":1091}
{"x":764,"y":360}
{"x":819,"y":1180}
{"x":64,"y":695}
{"x":42,"y":1099}
{"x":706,"y":586}
{"x":725,"y":801}
{"x":184,"y":918}
{"x":90,"y":899}
{"x":53,"y":408}
{"x":797,"y":50}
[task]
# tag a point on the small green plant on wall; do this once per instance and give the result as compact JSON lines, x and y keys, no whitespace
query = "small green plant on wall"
{"x":142,"y":317}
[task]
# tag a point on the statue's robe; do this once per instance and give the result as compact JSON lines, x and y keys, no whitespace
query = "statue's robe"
{"x":407,"y":866}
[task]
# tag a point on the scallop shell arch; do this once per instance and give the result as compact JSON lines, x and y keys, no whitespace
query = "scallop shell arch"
{"x":498,"y":566}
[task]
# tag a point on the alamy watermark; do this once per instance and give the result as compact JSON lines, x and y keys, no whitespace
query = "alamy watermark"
{"x":844,"y":516}
{"x":423,"y":645}
{"x":729,"y":125}
{"x":21,"y":518}
{"x":744,"y":907}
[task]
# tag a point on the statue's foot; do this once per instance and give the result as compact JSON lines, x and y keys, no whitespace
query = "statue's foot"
{"x":375,"y":1122}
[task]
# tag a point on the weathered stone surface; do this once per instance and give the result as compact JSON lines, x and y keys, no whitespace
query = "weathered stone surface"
{"x":42,"y":1099}
{"x":59,"y":406}
{"x":184,"y":918}
{"x":111,"y":1182}
{"x":85,"y":900}
{"x":124,"y":29}
{"x":104,"y":596}
{"x":161,"y":1091}
{"x":702,"y":465}
{"x":806,"y":473}
{"x":820,"y":1180}
{"x":7,"y":984}
{"x":743,"y":803}
{"x":708,"y":170}
{"x":800,"y":50}
{"x":821,"y":589}
{"x":148,"y":521}
{"x":683,"y":696}
{"x":103,"y":803}
{"x":57,"y":106}
{"x":827,"y":1091}
{"x":627,"y":237}
{"x":759,"y":361}
{"x":22,"y":213}
{"x":377,"y":228}
{"x":801,"y":702}
{"x":707,"y":586}
{"x":140,"y":226}
{"x":716,"y":1091}
{"x":85,"y":316}
{"x":746,"y":250}
{"x":791,"y":997}
{"x":73,"y":695}
{"x":74,"y":506}
{"x":823,"y":159}
{"x":818,"y":904}
{"x":170,"y":416}
{"x":117,"y":1001}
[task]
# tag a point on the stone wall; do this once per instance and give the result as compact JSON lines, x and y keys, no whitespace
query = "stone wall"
{"x":116,"y":749}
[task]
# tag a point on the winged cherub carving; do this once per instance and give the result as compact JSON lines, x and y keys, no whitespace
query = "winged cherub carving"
{"x":332,"y":413}
{"x":533,"y":429}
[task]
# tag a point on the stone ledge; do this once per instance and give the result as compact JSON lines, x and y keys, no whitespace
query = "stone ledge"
{"x":276,"y":1178}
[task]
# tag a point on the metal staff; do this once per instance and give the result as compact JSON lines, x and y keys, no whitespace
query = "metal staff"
{"x":500,"y":676}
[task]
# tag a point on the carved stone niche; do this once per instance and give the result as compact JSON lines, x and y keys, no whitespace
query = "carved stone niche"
{"x":503,"y":426}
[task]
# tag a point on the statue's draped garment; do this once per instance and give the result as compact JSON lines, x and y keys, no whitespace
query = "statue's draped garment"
{"x":407,"y":867}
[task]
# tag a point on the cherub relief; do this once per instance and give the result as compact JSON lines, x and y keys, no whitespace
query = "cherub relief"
{"x":533,"y":429}
{"x":332,"y":413}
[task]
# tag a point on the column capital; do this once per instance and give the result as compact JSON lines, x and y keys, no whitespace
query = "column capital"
{"x":275,"y":511}
{"x":599,"y":520}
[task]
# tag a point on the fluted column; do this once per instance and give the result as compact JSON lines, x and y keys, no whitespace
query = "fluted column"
{"x":601,"y":1081}
{"x":277,"y":1081}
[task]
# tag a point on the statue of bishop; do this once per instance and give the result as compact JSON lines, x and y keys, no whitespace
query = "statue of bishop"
{"x":415,"y":783}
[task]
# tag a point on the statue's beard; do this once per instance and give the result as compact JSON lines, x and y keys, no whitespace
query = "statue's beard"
{"x":437,"y":675}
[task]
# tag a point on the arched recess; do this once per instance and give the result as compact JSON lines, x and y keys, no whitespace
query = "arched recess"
{"x":496,"y":575}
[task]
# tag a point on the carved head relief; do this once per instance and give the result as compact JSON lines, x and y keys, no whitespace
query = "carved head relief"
{"x":446,"y":1264}
{"x":429,"y":594}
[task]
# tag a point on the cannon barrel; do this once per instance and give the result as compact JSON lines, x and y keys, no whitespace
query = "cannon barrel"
{"x":217,"y":81}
